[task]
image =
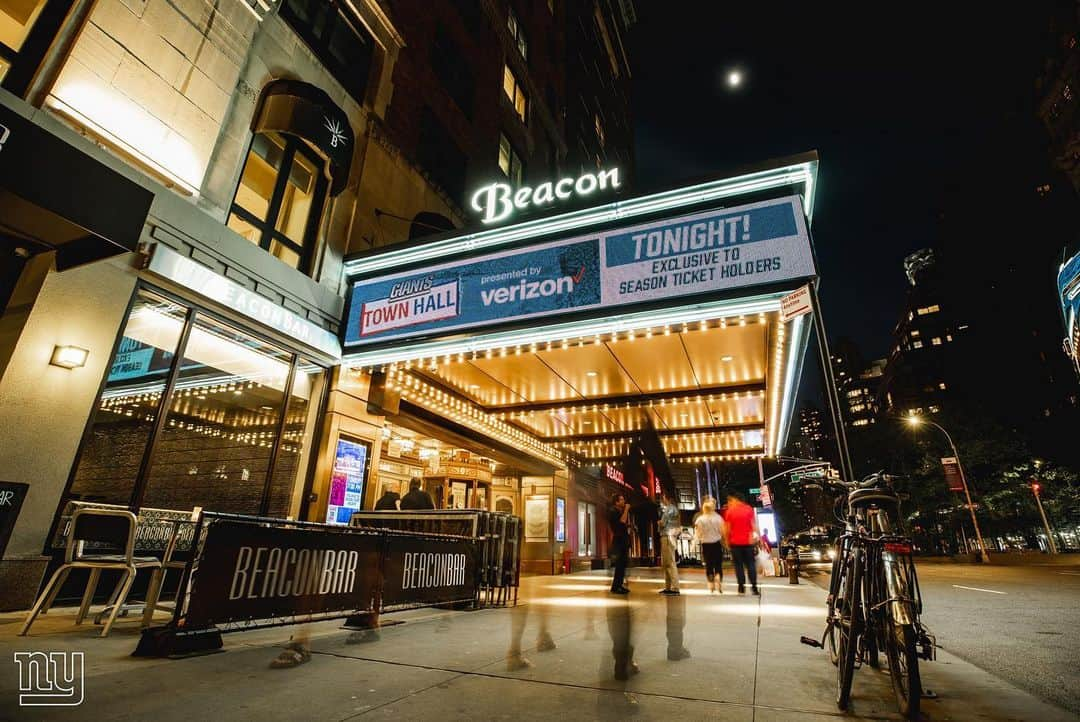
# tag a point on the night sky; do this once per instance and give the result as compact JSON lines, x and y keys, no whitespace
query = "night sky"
{"x":906,"y":106}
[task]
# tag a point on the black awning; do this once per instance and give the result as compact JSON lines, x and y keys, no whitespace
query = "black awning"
{"x":59,"y":198}
{"x":305,"y":111}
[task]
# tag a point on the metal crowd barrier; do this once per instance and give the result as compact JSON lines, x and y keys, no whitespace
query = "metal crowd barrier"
{"x":498,"y":536}
{"x":249,"y":572}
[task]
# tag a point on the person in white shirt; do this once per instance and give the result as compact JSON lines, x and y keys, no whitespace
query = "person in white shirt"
{"x":709,"y":530}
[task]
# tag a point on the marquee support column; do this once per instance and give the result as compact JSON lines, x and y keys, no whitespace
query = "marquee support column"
{"x":832,"y":396}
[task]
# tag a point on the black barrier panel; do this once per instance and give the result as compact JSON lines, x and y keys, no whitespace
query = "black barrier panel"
{"x":426,"y":571}
{"x":249,"y":571}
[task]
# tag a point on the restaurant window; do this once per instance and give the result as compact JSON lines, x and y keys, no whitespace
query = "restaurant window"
{"x":517,"y":32}
{"x":338,"y":39}
{"x":586,"y":529}
{"x":515,"y":93}
{"x":237,"y":417}
{"x":510,"y":162}
{"x":280,"y":198}
{"x":115,"y":444}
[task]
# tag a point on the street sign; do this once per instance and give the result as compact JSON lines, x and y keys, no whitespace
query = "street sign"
{"x":755,"y":491}
{"x":814,"y":474}
{"x":952,"y":473}
{"x":795,"y":304}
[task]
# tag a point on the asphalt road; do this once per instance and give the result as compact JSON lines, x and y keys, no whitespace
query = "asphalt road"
{"x":1021,"y":623}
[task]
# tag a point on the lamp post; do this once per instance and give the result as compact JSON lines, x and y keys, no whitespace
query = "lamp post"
{"x":1035,"y":488}
{"x":914,"y":421}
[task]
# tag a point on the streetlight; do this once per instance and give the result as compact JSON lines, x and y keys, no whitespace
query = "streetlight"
{"x":915,"y":421}
{"x":1035,"y":488}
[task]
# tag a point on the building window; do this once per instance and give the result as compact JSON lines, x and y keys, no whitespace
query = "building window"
{"x":936,"y":340}
{"x":338,"y":39}
{"x":280,"y":198}
{"x":916,"y":344}
{"x":948,"y":337}
{"x":935,"y":409}
{"x":17,"y":17}
{"x":941,"y":385}
{"x":238,"y":417}
{"x":454,"y":73}
{"x":441,"y":156}
{"x":515,"y":93}
{"x":510,"y":162}
{"x":928,"y":309}
{"x":517,"y":32}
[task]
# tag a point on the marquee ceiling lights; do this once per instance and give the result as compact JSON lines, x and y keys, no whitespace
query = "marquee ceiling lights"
{"x":801,"y":172}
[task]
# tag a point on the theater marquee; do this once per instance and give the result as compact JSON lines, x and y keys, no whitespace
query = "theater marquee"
{"x":750,"y":245}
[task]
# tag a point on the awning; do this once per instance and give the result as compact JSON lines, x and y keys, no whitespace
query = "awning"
{"x":55,"y":197}
{"x":302,"y":110}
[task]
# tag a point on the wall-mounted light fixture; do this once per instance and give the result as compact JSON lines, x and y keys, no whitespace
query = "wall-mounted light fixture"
{"x":69,"y":357}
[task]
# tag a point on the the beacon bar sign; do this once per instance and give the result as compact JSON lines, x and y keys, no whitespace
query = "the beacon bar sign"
{"x":749,"y":245}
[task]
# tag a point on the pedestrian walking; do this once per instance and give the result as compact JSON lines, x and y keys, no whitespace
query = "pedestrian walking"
{"x":619,"y":523}
{"x":709,"y":530}
{"x":670,"y":526}
{"x":740,"y":522}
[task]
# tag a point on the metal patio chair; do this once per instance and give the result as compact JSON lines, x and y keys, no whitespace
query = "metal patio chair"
{"x":109,"y":528}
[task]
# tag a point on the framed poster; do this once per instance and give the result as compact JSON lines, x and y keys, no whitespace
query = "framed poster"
{"x":348,"y":477}
{"x":537,"y":513}
{"x":560,"y":519}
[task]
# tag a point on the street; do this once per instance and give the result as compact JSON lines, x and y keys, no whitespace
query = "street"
{"x":1019,"y":622}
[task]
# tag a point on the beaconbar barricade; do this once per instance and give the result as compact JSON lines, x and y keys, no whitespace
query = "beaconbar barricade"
{"x":497,"y":535}
{"x":249,"y":572}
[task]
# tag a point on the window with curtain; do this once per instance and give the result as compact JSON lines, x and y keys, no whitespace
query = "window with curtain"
{"x":515,"y":93}
{"x":280,"y":198}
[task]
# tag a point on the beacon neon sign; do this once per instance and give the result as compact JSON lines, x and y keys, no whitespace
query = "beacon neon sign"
{"x":495,"y":202}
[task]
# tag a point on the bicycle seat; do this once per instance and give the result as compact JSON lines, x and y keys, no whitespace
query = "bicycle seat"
{"x":865,"y":496}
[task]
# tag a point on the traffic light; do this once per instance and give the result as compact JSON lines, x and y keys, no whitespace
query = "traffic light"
{"x":1035,"y":487}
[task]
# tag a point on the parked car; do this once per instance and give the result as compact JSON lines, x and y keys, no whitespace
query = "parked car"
{"x":811,"y":547}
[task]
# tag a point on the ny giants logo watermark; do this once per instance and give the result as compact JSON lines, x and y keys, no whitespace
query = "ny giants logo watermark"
{"x":50,"y":679}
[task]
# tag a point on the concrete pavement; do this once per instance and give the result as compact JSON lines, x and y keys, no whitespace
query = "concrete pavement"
{"x":746,"y":663}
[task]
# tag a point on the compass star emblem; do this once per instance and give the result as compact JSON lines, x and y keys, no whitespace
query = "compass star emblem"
{"x":337,"y":132}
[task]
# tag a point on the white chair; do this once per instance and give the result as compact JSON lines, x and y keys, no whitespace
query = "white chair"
{"x":113,"y":529}
{"x":157,"y":581}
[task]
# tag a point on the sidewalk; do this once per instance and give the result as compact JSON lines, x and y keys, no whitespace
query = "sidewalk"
{"x":746,"y":664}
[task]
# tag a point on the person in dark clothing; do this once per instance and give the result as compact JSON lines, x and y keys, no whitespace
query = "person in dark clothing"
{"x":619,"y":521}
{"x":388,"y":501}
{"x":417,"y":498}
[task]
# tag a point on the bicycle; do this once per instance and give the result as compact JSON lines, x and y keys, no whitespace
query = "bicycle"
{"x":874,"y":600}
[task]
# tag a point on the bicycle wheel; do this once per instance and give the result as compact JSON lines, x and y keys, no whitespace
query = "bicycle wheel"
{"x":849,"y":628}
{"x":904,"y":668}
{"x":836,"y":605}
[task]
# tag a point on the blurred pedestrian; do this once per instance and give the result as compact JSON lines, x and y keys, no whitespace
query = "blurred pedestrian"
{"x":619,"y":523}
{"x":709,"y":530}
{"x":740,"y":522}
{"x":670,"y":526}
